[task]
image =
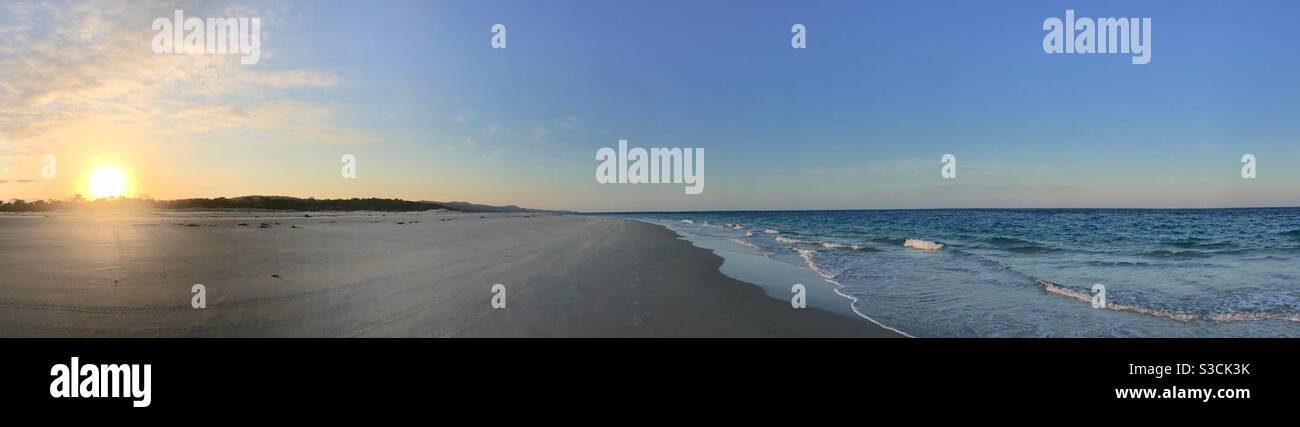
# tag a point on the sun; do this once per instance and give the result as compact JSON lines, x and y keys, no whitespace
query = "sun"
{"x":106,"y":182}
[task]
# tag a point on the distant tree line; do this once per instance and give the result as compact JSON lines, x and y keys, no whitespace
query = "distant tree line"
{"x":248,"y":202}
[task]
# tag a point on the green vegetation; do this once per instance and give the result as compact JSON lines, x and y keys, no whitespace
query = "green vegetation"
{"x":221,"y":203}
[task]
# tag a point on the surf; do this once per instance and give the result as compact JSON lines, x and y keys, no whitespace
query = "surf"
{"x":922,"y":245}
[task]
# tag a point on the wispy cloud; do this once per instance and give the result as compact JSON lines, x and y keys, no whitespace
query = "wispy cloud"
{"x":569,"y":122}
{"x":540,"y":133}
{"x":88,"y":68}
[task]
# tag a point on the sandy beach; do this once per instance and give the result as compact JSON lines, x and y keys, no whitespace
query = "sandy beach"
{"x":428,"y":274}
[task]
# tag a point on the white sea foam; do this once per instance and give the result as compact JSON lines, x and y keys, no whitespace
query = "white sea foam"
{"x":827,"y":245}
{"x":744,"y":243}
{"x":807,"y":255}
{"x":687,"y":221}
{"x":749,"y":234}
{"x":1233,"y":317}
{"x":771,"y":231}
{"x":922,"y":245}
{"x":1055,"y":289}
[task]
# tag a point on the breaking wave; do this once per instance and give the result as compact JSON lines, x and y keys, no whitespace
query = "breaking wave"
{"x":1182,"y":316}
{"x":807,"y":255}
{"x":924,"y":245}
{"x":747,"y":244}
{"x":824,"y":244}
{"x":1175,"y":254}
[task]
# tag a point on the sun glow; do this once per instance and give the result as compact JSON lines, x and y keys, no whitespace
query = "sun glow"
{"x":107,"y":181}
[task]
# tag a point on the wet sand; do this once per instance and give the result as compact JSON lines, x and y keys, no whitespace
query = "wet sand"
{"x":427,"y":274}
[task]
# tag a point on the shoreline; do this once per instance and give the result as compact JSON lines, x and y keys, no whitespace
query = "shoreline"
{"x":775,"y":277}
{"x":427,"y":274}
{"x":818,"y":316}
{"x":1004,"y":274}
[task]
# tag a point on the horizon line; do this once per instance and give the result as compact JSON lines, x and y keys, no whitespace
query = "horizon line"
{"x":940,"y":209}
{"x":514,"y":204}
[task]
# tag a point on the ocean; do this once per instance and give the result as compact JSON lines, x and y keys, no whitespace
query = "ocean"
{"x":1032,"y":272}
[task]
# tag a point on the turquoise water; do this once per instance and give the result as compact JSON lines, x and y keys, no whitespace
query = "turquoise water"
{"x":1166,"y":273}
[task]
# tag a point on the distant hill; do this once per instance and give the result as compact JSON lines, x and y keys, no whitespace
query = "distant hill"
{"x":471,"y":207}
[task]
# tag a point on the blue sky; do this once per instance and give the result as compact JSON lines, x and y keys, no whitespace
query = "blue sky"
{"x":859,"y":119}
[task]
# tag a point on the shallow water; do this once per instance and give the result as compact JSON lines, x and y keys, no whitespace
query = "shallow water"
{"x":1166,"y":273}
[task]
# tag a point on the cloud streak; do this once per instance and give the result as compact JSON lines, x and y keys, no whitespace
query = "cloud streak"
{"x":88,"y":69}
